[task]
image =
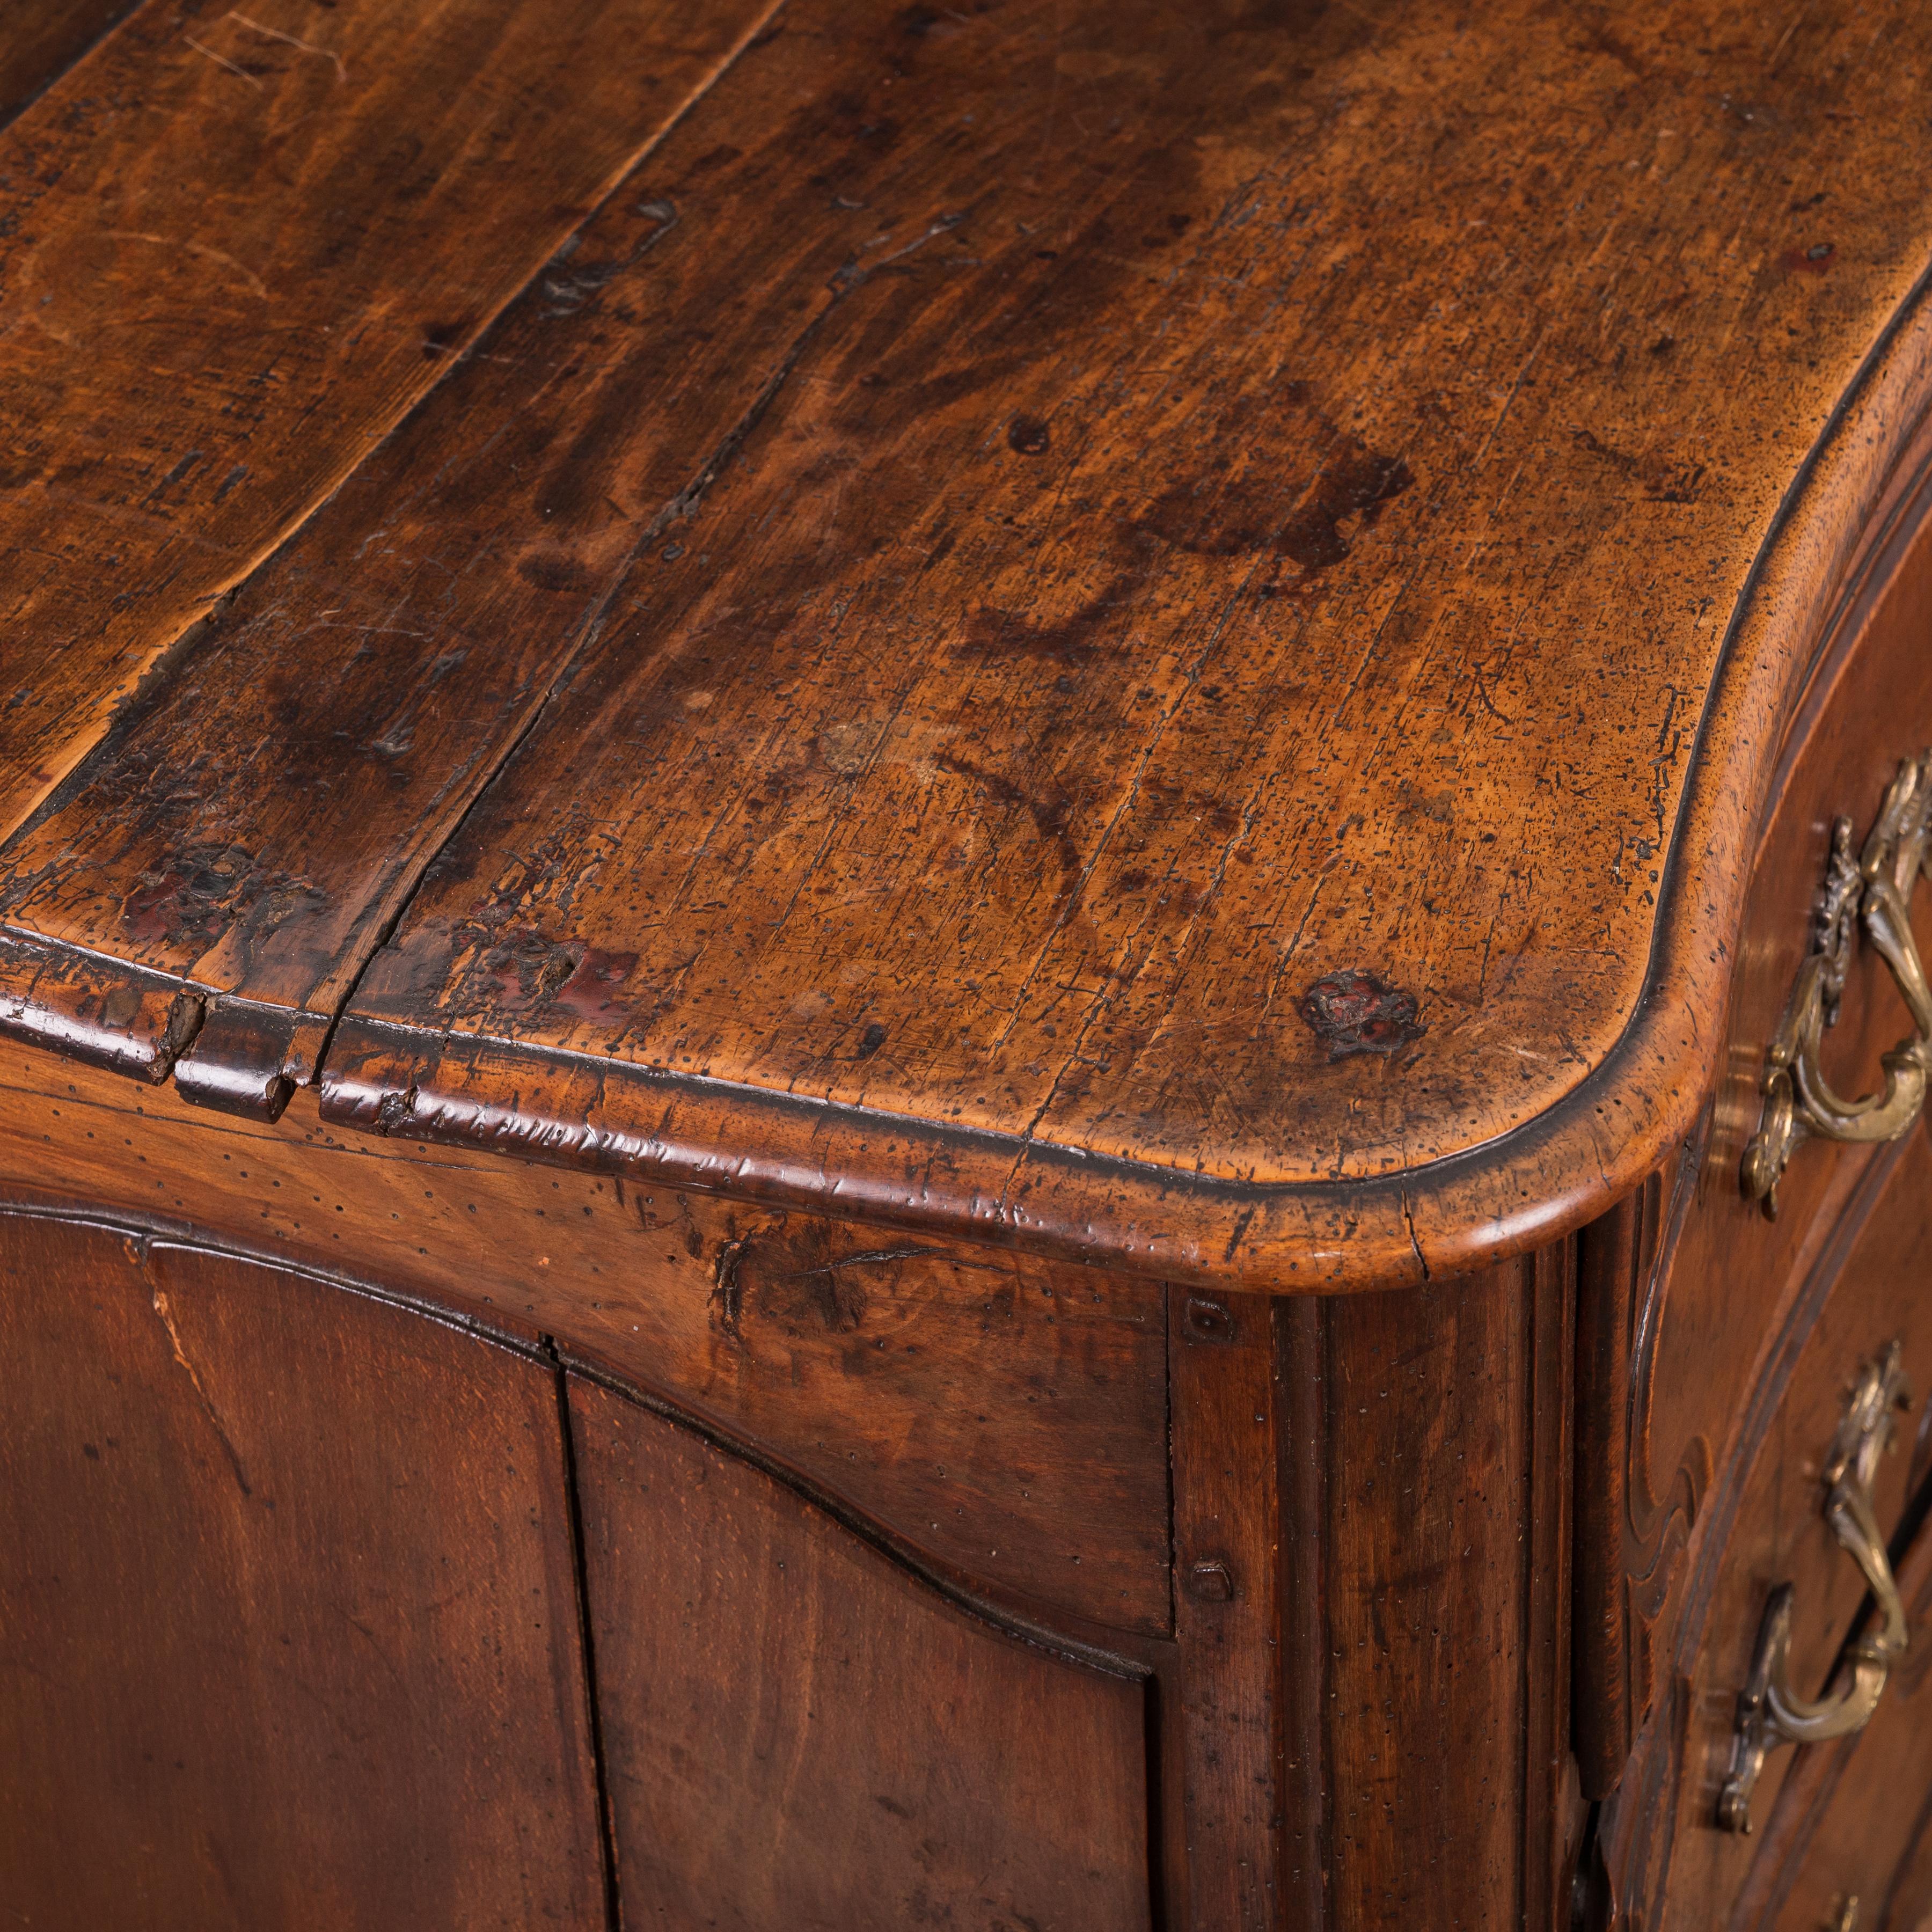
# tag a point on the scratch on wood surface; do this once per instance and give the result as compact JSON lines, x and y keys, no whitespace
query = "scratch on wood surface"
{"x":160,"y":1301}
{"x":255,"y":284}
{"x":290,"y":39}
{"x":1408,"y":1222}
{"x":240,"y":73}
{"x":727,"y":1291}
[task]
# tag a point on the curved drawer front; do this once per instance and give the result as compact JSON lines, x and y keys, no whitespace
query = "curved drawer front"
{"x":1684,"y":1288}
{"x":1814,"y":1497}
{"x":1737,"y":1255}
{"x":1728,"y":1311}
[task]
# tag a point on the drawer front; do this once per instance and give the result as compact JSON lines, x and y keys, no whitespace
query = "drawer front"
{"x":1856,"y":1850}
{"x":1763,"y":1523}
{"x":1734,"y":1269}
{"x":1684,"y":1290}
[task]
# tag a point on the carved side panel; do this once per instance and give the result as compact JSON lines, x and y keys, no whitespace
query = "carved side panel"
{"x":797,"y":1734}
{"x":1001,"y":1417}
{"x":1632,"y":1529}
{"x":287,"y":1606}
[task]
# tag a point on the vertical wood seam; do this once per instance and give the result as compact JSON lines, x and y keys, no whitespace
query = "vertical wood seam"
{"x":1527,"y":1809}
{"x":1161,"y":1907}
{"x":613,"y":1911}
{"x":1301,"y":1473}
{"x":1167,"y":1876}
{"x":1550,"y":1475}
{"x":347,"y":979}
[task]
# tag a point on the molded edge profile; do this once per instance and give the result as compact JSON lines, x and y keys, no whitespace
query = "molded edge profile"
{"x":676,"y":1131}
{"x":248,"y":1057}
{"x":1460,"y":1212}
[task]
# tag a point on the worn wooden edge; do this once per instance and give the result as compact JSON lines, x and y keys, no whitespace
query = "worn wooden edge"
{"x":103,"y":1012}
{"x":673,"y":1130}
{"x":236,"y":1056}
{"x":249,"y":1057}
{"x":85,"y":1116}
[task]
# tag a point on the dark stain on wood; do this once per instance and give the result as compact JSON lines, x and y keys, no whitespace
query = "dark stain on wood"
{"x":1260,"y":656}
{"x":1359,"y":1012}
{"x":1029,"y":435}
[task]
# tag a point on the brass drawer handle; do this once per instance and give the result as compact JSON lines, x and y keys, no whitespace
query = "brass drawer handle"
{"x":1770,"y":1713}
{"x":1874,"y":891}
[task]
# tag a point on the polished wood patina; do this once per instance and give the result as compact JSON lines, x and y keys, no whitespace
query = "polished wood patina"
{"x":950,"y":855}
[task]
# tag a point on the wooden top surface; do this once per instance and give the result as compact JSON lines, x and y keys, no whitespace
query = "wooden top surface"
{"x":1090,"y":621}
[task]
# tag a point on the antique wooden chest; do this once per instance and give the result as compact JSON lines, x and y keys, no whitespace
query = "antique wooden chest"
{"x":958,"y":965}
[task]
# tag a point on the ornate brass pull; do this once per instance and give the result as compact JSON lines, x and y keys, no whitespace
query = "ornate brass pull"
{"x":1874,"y":891}
{"x":1770,"y":1713}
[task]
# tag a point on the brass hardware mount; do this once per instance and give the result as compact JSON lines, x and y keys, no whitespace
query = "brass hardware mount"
{"x":1873,"y":892}
{"x":1770,"y":1713}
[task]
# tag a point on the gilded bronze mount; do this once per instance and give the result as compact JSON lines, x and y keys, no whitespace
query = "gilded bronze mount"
{"x":1872,"y":893}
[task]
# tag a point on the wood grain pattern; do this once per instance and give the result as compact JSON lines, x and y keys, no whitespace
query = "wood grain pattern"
{"x":1098,"y":739}
{"x":1555,"y":1804}
{"x":1302,"y":1437}
{"x":886,"y":728}
{"x":1433,"y":1562}
{"x":39,"y":39}
{"x":1009,"y":644}
{"x":799,"y":1736}
{"x":290,"y":1616}
{"x":1004,"y":1417}
{"x":1228,"y":1575}
{"x":238,"y":247}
